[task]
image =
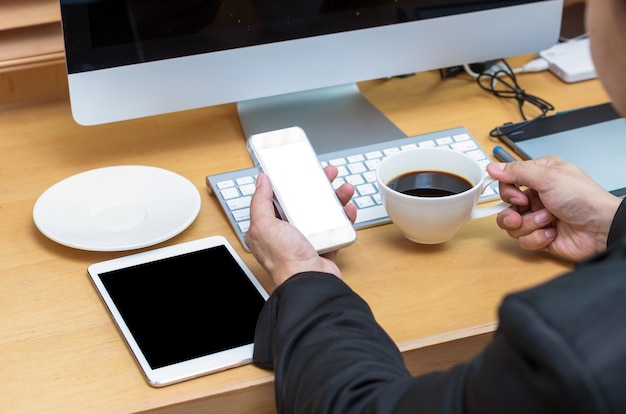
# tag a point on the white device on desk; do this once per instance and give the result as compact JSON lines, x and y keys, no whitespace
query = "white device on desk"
{"x":303,"y":194}
{"x":184,"y":310}
{"x":571,"y":60}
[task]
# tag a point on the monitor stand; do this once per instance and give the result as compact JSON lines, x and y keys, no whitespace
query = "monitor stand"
{"x":333,"y":118}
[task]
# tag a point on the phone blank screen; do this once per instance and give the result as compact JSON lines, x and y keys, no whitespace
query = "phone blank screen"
{"x":306,"y":194}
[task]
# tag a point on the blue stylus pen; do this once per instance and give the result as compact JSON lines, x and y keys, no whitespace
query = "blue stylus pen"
{"x":502,"y":155}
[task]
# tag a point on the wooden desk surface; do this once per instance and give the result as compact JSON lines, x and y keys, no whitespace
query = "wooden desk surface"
{"x":59,"y":350}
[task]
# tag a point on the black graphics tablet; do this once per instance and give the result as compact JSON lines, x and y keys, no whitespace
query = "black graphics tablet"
{"x":593,"y":138}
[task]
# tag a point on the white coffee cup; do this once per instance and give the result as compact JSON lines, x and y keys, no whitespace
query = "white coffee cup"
{"x":432,"y":220}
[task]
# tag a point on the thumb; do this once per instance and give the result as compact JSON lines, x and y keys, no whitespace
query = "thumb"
{"x":262,"y":202}
{"x":530,"y":173}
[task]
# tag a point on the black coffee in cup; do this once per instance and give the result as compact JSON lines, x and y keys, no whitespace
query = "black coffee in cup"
{"x":429,"y":184}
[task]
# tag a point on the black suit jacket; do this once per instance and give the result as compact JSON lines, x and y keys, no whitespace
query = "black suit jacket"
{"x":559,"y":348}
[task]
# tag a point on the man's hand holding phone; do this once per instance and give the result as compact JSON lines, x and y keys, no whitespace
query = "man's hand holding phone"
{"x":302,"y":193}
{"x":278,"y":246}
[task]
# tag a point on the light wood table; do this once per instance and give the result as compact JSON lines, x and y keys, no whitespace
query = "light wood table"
{"x":59,"y":350}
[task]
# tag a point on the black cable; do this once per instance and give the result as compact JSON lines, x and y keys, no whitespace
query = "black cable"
{"x":503,"y":84}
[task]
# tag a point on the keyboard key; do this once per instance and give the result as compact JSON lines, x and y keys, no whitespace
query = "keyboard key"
{"x":241,"y":214}
{"x":372,"y":164}
{"x":247,"y":189}
{"x":366,"y":189}
{"x":243,"y":228}
{"x":464,"y":146}
{"x":356,"y":158}
{"x":444,"y":141}
{"x":370,"y":214}
{"x":364,"y":202}
{"x":241,"y":181}
{"x":338,"y":161}
{"x":378,"y":199}
{"x":357,"y":168}
{"x":225,"y":184}
{"x":477,"y":154}
{"x":355,"y":180}
{"x":237,"y":203}
{"x":370,"y":176}
{"x":374,"y":154}
{"x":390,"y":151}
{"x":338,"y":182}
{"x":229,"y":193}
{"x":342,"y":171}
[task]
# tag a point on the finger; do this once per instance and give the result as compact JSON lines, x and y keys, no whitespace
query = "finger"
{"x":535,"y":201}
{"x":331,"y":172}
{"x":350,"y":210}
{"x":530,"y":223}
{"x":513,"y":195}
{"x":262,"y":203}
{"x":509,"y":219}
{"x":345,"y":193}
{"x":539,"y":239}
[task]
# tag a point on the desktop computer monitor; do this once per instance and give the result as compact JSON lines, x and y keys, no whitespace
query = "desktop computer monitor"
{"x":284,"y":62}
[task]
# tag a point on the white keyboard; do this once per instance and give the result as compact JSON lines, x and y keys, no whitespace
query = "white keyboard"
{"x":357,"y":166}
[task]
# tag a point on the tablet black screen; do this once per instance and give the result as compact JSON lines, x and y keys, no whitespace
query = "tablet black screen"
{"x":186,"y":306}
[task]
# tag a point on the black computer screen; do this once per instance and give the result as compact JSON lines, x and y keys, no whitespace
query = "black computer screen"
{"x":109,"y":33}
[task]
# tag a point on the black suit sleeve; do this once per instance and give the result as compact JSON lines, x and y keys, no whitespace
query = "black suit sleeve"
{"x":330,"y":355}
{"x":618,"y":226}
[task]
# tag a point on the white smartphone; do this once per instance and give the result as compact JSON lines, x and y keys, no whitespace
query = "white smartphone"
{"x":303,"y":194}
{"x":185,"y":310}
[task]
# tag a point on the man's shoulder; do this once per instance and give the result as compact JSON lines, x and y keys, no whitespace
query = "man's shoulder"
{"x":573,"y":326}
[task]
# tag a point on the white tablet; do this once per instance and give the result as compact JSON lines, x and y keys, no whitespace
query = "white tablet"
{"x":185,"y":310}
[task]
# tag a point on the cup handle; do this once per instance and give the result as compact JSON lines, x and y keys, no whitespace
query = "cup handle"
{"x":481,"y":212}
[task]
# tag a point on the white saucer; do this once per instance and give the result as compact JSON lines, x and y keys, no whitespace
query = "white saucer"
{"x":117,"y":208}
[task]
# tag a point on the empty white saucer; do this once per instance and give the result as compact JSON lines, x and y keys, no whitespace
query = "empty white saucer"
{"x":117,"y":208}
